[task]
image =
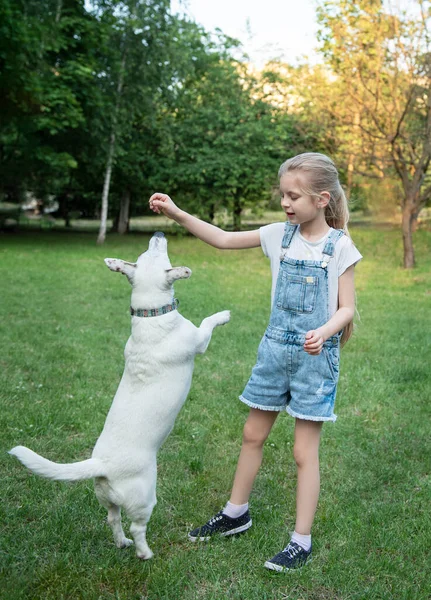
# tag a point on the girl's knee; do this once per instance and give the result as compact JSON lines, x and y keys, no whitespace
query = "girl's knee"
{"x":305,"y":455}
{"x":307,"y":441}
{"x":253,"y":434}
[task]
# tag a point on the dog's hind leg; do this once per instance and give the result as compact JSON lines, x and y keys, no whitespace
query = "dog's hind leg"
{"x":138,"y":529}
{"x":140,"y":514}
{"x":114,"y":520}
{"x":107,"y":498}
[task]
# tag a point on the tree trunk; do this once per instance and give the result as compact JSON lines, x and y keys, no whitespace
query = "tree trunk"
{"x":350,"y":169}
{"x":211,"y":213}
{"x":58,"y":11}
{"x":123,"y":217}
{"x":105,"y":194}
{"x":351,"y":158}
{"x":115,"y":220}
{"x":63,"y":201}
{"x":111,"y":150}
{"x":408,"y":218}
{"x":237,"y":210}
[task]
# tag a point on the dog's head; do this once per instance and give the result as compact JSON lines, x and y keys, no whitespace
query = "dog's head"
{"x":153,"y":270}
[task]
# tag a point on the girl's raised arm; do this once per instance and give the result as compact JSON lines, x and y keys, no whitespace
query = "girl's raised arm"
{"x":161,"y":203}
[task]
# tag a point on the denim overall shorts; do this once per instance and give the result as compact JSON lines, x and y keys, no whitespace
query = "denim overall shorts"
{"x":286,"y":377}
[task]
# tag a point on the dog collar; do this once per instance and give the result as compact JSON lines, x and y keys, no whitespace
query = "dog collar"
{"x":154,"y":312}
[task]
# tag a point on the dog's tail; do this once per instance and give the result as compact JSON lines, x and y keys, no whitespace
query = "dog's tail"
{"x":86,"y":469}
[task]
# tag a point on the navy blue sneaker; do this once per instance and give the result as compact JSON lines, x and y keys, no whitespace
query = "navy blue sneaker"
{"x":221,"y":524}
{"x":292,"y":557}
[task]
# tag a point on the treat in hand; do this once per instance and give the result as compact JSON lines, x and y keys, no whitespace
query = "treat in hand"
{"x":162,"y":203}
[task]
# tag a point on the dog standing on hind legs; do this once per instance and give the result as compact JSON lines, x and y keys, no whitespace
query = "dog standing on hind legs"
{"x":159,"y":360}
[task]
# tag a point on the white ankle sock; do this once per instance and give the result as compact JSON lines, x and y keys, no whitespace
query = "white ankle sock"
{"x":235,"y":510}
{"x":302,"y":540}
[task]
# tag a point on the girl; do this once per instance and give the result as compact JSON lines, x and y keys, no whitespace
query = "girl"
{"x":313,"y":304}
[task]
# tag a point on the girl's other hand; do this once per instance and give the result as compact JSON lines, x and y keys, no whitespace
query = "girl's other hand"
{"x":313,"y":342}
{"x":161,"y":203}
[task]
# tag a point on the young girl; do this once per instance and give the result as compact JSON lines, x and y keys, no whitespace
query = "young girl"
{"x":313,"y":304}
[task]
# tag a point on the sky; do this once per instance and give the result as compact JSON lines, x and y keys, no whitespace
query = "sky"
{"x":268,"y":29}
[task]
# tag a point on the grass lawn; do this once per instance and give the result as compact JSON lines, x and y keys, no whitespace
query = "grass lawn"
{"x":63,"y":326}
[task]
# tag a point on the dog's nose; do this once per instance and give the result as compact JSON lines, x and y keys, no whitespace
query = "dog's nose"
{"x":158,"y":244}
{"x":158,"y":240}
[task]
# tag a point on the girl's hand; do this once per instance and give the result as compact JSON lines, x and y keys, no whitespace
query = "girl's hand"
{"x":314,"y":341}
{"x":161,"y":203}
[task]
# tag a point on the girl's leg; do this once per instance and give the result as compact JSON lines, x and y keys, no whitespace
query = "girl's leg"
{"x":237,"y":517}
{"x":306,"y":453}
{"x":256,"y":430}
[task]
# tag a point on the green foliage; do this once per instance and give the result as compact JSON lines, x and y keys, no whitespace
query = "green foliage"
{"x":380,"y":58}
{"x":46,"y":73}
{"x":380,"y":53}
{"x":228,"y":142}
{"x":129,"y":79}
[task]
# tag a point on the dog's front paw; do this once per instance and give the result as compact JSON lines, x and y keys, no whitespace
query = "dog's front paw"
{"x":222,"y":317}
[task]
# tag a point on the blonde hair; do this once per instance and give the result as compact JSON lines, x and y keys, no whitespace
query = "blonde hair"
{"x":322,"y":176}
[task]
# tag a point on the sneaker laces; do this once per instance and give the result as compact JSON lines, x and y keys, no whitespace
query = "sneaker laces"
{"x":214,"y":519}
{"x":292,"y":550}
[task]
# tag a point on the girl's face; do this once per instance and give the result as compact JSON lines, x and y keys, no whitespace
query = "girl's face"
{"x":299,"y":207}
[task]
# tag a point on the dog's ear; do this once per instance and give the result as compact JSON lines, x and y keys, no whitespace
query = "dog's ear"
{"x":177,"y":273}
{"x":121,"y":266}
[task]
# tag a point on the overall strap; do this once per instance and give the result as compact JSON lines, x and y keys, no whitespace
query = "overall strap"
{"x":289,"y":231}
{"x":329,"y":249}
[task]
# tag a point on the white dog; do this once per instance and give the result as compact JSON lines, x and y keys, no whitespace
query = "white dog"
{"x":157,"y":376}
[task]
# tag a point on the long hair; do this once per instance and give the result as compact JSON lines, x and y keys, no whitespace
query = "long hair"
{"x":322,"y":176}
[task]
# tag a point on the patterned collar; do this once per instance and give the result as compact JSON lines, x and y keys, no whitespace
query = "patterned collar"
{"x":154,"y":312}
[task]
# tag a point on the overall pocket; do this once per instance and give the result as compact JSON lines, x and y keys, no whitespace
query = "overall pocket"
{"x":297,"y":293}
{"x":333,"y":360}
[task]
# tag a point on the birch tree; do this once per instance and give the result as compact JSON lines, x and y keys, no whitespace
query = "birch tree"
{"x":111,"y":149}
{"x":134,"y":57}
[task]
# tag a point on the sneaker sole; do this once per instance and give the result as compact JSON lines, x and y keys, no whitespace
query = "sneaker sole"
{"x":224,"y":534}
{"x":274,"y":567}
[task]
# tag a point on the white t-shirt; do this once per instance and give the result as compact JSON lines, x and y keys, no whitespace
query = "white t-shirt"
{"x":346,"y":255}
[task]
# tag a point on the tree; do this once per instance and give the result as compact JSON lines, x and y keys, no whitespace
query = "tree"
{"x":383,"y":60}
{"x":142,"y":156}
{"x":149,"y":56}
{"x":315,"y":96}
{"x":228,"y":142}
{"x":123,"y":95}
{"x":133,"y":57}
{"x":46,"y":73}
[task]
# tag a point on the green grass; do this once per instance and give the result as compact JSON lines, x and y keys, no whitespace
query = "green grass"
{"x":63,"y":325}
